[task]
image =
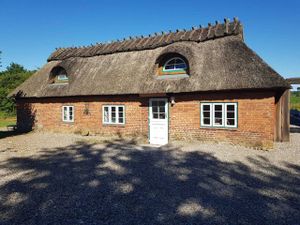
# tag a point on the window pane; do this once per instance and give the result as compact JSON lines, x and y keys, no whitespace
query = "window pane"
{"x":154,"y":103}
{"x":161,"y":103}
{"x":106,"y":117}
{"x":113,"y":114}
{"x":231,"y":122}
{"x":121,"y":120}
{"x":169,"y":67}
{"x":180,"y":66}
{"x":230,"y":115}
{"x":206,"y":107}
{"x":206,"y":114}
{"x":162,"y":115}
{"x":155,"y":115}
{"x":218,"y":107}
{"x":154,"y":109}
{"x":113,"y":117}
{"x":162,"y":109}
{"x":65,"y":113}
{"x":206,"y":121}
{"x":230,"y":107}
{"x":175,"y":64}
{"x":218,"y":121}
{"x":218,"y":114}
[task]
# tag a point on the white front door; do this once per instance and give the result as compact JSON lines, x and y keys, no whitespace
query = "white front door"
{"x":158,"y":124}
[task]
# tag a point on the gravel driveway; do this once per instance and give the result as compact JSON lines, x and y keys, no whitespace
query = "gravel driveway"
{"x":62,"y":179}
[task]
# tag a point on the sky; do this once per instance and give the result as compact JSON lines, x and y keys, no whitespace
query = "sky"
{"x":31,"y":29}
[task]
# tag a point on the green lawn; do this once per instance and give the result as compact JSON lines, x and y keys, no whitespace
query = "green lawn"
{"x":295,"y":100}
{"x":7,"y":121}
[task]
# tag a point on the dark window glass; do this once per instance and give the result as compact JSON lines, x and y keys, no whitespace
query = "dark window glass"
{"x":231,"y":122}
{"x":206,"y":121}
{"x":230,"y":107}
{"x":206,"y":107}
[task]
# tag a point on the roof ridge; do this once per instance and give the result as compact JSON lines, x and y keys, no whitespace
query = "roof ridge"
{"x":127,"y":44}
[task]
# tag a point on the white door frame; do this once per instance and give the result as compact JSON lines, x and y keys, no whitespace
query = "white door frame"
{"x":158,"y":128}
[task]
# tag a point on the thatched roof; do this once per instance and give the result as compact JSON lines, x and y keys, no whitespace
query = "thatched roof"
{"x":217,"y":55}
{"x":293,"y":80}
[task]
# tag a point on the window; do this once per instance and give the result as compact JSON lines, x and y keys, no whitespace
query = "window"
{"x":58,"y":75}
{"x":68,"y":113}
{"x":176,"y":64}
{"x":158,"y":109}
{"x":62,"y":77}
{"x":219,"y":115}
{"x":113,"y":114}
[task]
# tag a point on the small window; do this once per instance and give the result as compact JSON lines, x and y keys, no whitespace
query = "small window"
{"x":219,"y":115}
{"x":68,"y":113}
{"x":58,"y":75}
{"x":62,"y":77}
{"x":175,"y":65}
{"x":158,"y":109}
{"x":113,"y":114}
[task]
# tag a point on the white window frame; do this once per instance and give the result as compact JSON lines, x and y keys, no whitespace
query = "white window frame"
{"x":202,"y":115}
{"x":68,"y":113}
{"x":235,"y":114}
{"x":175,"y":69}
{"x":213,"y":112}
{"x":224,"y":114}
{"x":110,"y":115}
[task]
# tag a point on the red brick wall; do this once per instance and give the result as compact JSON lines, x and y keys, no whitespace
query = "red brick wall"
{"x":48,"y":115}
{"x":256,"y":118}
{"x":256,"y":111}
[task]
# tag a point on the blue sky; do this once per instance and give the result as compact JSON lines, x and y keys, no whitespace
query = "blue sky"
{"x":31,"y":30}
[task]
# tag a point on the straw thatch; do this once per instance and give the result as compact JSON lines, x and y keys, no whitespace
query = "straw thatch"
{"x":217,"y":56}
{"x":293,"y":80}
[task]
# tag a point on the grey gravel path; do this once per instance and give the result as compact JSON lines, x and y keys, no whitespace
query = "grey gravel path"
{"x":66,"y":179}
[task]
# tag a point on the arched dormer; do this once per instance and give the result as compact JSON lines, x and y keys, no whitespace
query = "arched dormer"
{"x":58,"y":75}
{"x":172,"y":65}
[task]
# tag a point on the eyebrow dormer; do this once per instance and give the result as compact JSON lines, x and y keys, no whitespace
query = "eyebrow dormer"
{"x":58,"y":75}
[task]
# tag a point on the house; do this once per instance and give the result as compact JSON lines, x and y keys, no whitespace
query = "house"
{"x":198,"y":84}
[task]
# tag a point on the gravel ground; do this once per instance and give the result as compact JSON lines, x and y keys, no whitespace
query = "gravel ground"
{"x":50,"y":178}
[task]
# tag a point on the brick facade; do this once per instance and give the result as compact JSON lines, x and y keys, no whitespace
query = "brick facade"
{"x":256,"y":116}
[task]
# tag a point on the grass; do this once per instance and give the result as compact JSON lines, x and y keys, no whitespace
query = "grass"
{"x":295,"y":100}
{"x":6,"y":121}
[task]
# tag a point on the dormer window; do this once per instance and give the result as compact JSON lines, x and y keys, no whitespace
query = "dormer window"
{"x":176,"y":65}
{"x":172,"y":65}
{"x":58,"y":75}
{"x":62,"y":77}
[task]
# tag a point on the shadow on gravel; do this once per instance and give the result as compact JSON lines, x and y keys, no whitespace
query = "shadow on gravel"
{"x":122,"y":183}
{"x":7,"y":133}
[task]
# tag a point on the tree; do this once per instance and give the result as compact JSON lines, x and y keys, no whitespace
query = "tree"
{"x":12,"y":77}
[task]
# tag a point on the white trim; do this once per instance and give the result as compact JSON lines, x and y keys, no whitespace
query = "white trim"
{"x":224,"y":115}
{"x":110,"y":115}
{"x":214,"y":115}
{"x":68,"y":113}
{"x":202,"y":114}
{"x":235,"y":114}
{"x":158,"y":128}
